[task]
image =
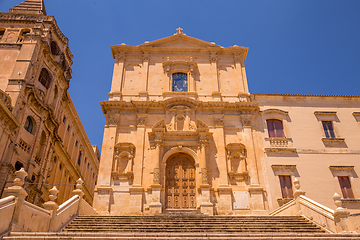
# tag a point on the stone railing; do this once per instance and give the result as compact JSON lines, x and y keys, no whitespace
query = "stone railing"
{"x":6,"y":99}
{"x":333,"y":221}
{"x":279,"y":144}
{"x":18,"y":215}
{"x":7,"y":206}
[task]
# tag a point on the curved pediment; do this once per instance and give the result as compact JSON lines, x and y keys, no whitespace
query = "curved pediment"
{"x":171,"y":102}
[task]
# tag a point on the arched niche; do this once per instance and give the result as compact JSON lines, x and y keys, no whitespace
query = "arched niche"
{"x":122,"y":166}
{"x":236,"y":160}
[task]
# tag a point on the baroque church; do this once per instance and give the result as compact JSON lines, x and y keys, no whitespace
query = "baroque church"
{"x":183,"y":136}
{"x":184,"y":132}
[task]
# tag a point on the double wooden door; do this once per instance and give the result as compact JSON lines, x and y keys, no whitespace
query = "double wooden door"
{"x":180,"y":182}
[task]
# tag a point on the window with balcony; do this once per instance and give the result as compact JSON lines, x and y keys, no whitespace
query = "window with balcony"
{"x":275,"y":128}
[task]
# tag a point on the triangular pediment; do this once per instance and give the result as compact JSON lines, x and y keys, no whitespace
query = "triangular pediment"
{"x":180,"y":40}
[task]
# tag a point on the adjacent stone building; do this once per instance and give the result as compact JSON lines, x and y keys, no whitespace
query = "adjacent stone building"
{"x":183,"y":132}
{"x":40,"y":129}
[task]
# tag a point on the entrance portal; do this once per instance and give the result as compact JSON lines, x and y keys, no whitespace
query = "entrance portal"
{"x":180,"y":182}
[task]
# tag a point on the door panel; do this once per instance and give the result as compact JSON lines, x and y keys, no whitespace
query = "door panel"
{"x":180,"y":182}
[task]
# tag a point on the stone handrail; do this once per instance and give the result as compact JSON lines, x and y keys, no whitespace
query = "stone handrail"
{"x":66,"y":212}
{"x":6,"y":99}
{"x":37,"y":209}
{"x":7,"y":206}
{"x":313,"y":211}
{"x":68,"y":204}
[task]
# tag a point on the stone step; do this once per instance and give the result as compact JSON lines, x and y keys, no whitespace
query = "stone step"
{"x":160,"y":236}
{"x":253,"y":224}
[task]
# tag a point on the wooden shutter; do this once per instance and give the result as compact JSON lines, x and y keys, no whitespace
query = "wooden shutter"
{"x":345,"y":187}
{"x":286,"y":186}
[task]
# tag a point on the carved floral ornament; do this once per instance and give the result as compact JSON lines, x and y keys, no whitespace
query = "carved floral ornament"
{"x":112,"y":119}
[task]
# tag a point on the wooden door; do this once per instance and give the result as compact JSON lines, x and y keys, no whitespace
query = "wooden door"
{"x":180,"y":182}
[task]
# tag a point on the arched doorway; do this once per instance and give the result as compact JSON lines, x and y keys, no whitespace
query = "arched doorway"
{"x":180,"y":182}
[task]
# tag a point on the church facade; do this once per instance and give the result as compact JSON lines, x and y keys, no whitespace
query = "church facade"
{"x":183,"y":132}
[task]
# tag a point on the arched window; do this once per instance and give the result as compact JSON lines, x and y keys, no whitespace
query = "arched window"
{"x":179,"y":82}
{"x":29,"y":124}
{"x":45,"y":78}
{"x":55,"y":50}
{"x":275,"y":128}
{"x":2,"y":32}
{"x":18,"y":165}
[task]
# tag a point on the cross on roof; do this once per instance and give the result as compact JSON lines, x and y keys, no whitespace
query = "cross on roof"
{"x":179,"y":29}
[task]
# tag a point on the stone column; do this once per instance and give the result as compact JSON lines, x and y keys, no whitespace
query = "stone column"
{"x":206,"y":206}
{"x":103,"y":190}
{"x":136,"y":191}
{"x":143,"y":93}
{"x":256,"y":191}
{"x":156,"y":206}
{"x":117,"y":80}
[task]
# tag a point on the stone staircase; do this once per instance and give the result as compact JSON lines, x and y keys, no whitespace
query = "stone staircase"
{"x":188,"y":226}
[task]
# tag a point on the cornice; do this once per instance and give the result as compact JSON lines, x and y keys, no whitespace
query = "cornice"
{"x":302,"y":95}
{"x":118,"y":106}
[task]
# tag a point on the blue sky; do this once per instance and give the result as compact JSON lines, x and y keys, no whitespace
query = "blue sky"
{"x":295,"y":47}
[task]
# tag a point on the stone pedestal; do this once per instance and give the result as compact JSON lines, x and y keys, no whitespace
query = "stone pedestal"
{"x":102,"y":197}
{"x":206,"y":207}
{"x":136,"y":200}
{"x":257,"y":198}
{"x":225,"y":199}
{"x":155,"y":207}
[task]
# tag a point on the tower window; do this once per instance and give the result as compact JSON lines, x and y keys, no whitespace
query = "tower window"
{"x":179,"y":82}
{"x":18,"y":166}
{"x":45,"y":78}
{"x":29,"y":124}
{"x":275,"y":128}
{"x":328,"y":129}
{"x":2,"y":32}
{"x":55,"y":50}
{"x":79,"y":159}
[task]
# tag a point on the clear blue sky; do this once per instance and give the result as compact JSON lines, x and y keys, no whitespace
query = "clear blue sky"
{"x":297,"y":47}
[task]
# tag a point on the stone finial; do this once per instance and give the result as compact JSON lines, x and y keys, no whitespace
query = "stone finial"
{"x":341,"y":216}
{"x":79,"y":183}
{"x":78,"y":190}
{"x":20,"y":177}
{"x":337,"y":201}
{"x":298,"y":192}
{"x":53,"y":194}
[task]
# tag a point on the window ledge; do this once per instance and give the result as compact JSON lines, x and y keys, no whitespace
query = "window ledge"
{"x":280,"y":149}
{"x":350,"y":200}
{"x":333,"y":139}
